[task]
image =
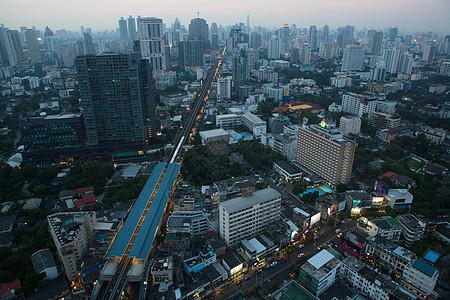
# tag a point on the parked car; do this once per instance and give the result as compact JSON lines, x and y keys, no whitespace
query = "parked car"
{"x":301,"y":255}
{"x":247,"y":278}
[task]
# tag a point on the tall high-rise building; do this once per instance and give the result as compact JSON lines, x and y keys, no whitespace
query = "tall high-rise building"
{"x":176,"y":24}
{"x":305,"y":54}
{"x":325,"y":35}
{"x":391,"y":58}
{"x":332,"y":50}
{"x":152,"y":42}
{"x":214,"y":36}
{"x":360,"y":105}
{"x":313,"y":37}
{"x":245,"y":217}
{"x":428,"y":53}
{"x":406,"y":63}
{"x":275,"y":48}
{"x":33,"y":46}
{"x":88,"y":44}
{"x":393,"y":32}
{"x":377,"y":43}
{"x":285,"y":36}
{"x":190,"y":53}
{"x":138,"y":21}
{"x":345,"y":35}
{"x":255,"y":40}
{"x":326,"y":152}
{"x":295,"y":56}
{"x":353,"y":58}
{"x":132,"y":33}
{"x":198,"y":30}
{"x":241,"y":68}
{"x":224,"y":87}
{"x":123,"y":30}
{"x":11,"y":52}
{"x":117,"y":98}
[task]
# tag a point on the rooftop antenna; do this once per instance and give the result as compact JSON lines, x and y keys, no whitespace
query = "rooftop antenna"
{"x":198,"y":15}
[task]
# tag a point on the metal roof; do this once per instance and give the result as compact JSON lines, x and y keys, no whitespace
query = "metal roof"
{"x":125,"y":234}
{"x":146,"y":235}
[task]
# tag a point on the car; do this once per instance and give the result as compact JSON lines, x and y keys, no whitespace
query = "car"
{"x":247,"y":278}
{"x":339,"y":235}
{"x":301,"y":255}
{"x":273,"y":263}
{"x":338,"y":230}
{"x":301,"y":246}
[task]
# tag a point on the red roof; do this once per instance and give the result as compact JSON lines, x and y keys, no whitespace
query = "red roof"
{"x":7,"y":289}
{"x":390,"y":175}
{"x":85,"y":190}
{"x":87,"y":199}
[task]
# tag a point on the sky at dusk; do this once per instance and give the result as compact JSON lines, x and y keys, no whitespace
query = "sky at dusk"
{"x":409,"y":15}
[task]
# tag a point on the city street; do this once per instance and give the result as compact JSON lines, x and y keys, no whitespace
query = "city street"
{"x":280,"y":271}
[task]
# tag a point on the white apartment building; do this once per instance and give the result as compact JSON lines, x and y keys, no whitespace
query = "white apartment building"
{"x":350,"y":124}
{"x":388,"y":228}
{"x":224,"y":87}
{"x":244,"y":217}
{"x":370,"y":283}
{"x":151,"y":32}
{"x":359,"y":104}
{"x":275,"y":91}
{"x":420,"y":278}
{"x":413,"y":228}
{"x":257,"y":126}
{"x":228,"y":121}
{"x":71,"y":233}
{"x":353,"y":58}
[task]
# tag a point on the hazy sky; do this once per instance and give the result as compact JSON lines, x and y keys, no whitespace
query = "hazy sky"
{"x":414,"y":15}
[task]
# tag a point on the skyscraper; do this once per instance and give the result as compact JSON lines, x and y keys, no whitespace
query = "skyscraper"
{"x":345,"y":35}
{"x":152,"y":42}
{"x":325,"y":36}
{"x":353,"y":58}
{"x":326,"y":152}
{"x":88,"y":44}
{"x":313,"y":37}
{"x":11,"y":52}
{"x":132,"y":34}
{"x":376,"y":43}
{"x":393,"y":33}
{"x":116,"y":96}
{"x":305,"y":54}
{"x":33,"y":46}
{"x":198,"y":30}
{"x":428,"y":53}
{"x":123,"y":31}
{"x":138,"y":21}
{"x":275,"y":48}
{"x":214,"y":36}
{"x":255,"y":40}
{"x":391,"y":58}
{"x":406,"y":63}
{"x":241,"y":69}
{"x":285,"y":38}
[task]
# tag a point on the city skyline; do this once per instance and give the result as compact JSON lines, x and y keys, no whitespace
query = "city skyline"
{"x":431,"y":17}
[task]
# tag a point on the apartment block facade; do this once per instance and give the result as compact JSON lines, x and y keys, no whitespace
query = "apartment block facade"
{"x":326,"y":152}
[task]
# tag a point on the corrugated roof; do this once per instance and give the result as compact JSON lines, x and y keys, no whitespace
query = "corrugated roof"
{"x":147,"y":233}
{"x":124,"y":236}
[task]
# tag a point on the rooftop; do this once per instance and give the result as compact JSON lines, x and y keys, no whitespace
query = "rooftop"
{"x":287,"y":167}
{"x":424,"y":267}
{"x":293,"y":291}
{"x":239,"y":203}
{"x":321,"y":264}
{"x":42,"y":260}
{"x":212,"y":133}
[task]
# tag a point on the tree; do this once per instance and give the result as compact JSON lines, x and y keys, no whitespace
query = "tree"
{"x":299,"y":188}
{"x":274,"y":285}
